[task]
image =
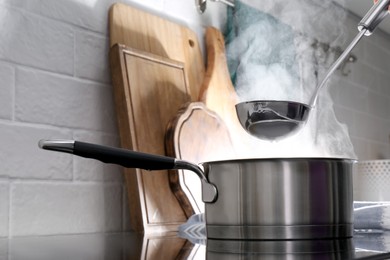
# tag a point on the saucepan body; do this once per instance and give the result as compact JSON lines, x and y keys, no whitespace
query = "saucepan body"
{"x":285,"y":198}
{"x":255,"y":199}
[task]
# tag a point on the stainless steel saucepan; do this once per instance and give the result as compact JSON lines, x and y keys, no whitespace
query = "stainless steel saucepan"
{"x":266,"y":199}
{"x":275,"y":119}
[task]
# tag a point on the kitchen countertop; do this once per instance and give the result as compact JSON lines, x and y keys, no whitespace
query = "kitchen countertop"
{"x":373,"y":245}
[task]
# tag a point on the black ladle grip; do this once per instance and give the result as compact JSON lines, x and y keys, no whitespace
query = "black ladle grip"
{"x":126,"y":158}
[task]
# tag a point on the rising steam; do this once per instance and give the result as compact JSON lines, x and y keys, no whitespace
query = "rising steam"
{"x":271,"y":57}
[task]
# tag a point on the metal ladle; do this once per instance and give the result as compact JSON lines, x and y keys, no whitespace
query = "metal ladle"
{"x":273,"y":119}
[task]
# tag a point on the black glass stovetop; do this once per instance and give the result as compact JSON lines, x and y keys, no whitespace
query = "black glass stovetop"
{"x":126,"y":246}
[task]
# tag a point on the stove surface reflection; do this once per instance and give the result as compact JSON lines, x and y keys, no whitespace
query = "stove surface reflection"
{"x":126,"y":246}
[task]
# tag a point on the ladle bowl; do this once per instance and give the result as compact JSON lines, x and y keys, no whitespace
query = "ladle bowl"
{"x":273,"y":119}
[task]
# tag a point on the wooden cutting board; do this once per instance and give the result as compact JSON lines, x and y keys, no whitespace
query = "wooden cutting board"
{"x":156,"y":67}
{"x":198,"y":133}
{"x":217,"y":90}
{"x":143,"y":31}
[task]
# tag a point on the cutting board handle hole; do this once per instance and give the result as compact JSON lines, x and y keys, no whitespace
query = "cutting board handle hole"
{"x":191,"y":42}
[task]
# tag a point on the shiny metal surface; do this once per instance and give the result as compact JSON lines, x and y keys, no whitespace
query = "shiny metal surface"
{"x":66,"y":146}
{"x":270,"y":119}
{"x":374,"y":17}
{"x":137,"y":246}
{"x":278,"y":199}
{"x":201,"y":5}
{"x":209,"y":191}
{"x":289,"y":198}
{"x":293,"y":249}
{"x":226,"y":2}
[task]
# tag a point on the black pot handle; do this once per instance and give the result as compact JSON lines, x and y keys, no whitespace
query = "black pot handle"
{"x":126,"y":158}
{"x":106,"y":154}
{"x":130,"y":159}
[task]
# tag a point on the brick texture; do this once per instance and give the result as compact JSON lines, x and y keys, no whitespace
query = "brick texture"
{"x":4,"y":210}
{"x":60,"y":208}
{"x":35,"y":41}
{"x":7,"y":76}
{"x":55,"y":83}
{"x":21,"y":158}
{"x":62,"y":101}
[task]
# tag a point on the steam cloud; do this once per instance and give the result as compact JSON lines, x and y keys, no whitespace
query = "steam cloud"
{"x":272,"y":58}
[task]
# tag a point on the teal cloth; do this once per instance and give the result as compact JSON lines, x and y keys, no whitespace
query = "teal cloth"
{"x":269,"y":41}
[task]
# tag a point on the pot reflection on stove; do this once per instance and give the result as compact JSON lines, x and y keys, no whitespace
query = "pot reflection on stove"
{"x":342,"y":249}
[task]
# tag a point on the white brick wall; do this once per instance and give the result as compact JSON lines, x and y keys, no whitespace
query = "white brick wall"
{"x":64,"y":101}
{"x":35,"y":41}
{"x":55,"y":83}
{"x":4,"y":207}
{"x":3,"y":248}
{"x":63,"y":208}
{"x":91,"y":57}
{"x":7,"y":75}
{"x":20,"y":158}
{"x":362,"y":99}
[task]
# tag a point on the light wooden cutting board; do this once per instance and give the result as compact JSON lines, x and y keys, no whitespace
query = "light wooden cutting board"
{"x":143,"y":31}
{"x":156,"y":67}
{"x":199,"y":134}
{"x":217,"y":90}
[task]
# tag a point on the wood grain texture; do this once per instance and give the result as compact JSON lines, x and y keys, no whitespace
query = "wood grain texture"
{"x":148,"y":91}
{"x":198,"y":133}
{"x":218,"y":92}
{"x":146,"y":32}
{"x":166,"y":247}
{"x":152,"y":247}
{"x":147,"y":101}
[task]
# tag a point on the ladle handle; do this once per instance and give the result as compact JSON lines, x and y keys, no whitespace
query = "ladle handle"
{"x":366,"y":26}
{"x":374,"y":17}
